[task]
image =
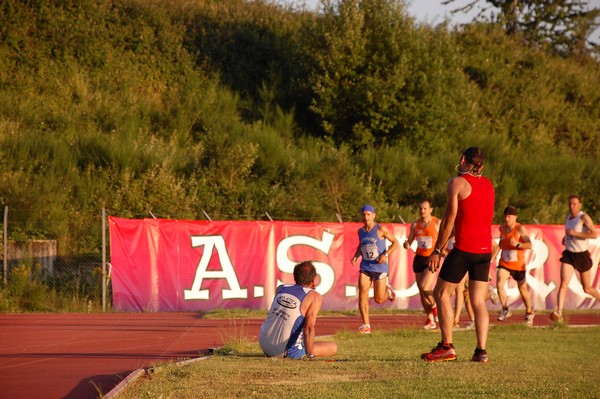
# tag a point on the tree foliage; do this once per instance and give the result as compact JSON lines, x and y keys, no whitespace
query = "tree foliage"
{"x":236,"y":109}
{"x":563,"y":25}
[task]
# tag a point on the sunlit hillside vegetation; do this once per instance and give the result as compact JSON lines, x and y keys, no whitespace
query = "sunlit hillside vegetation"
{"x":237,"y":108}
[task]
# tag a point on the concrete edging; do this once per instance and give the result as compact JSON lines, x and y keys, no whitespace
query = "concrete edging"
{"x":136,"y":374}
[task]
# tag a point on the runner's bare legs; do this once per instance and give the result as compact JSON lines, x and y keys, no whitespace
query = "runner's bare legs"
{"x":477,"y":294}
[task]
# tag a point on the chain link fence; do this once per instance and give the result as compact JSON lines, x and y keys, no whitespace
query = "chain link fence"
{"x":46,"y":271}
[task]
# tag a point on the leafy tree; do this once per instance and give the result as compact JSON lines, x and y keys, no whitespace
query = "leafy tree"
{"x":564,"y":25}
{"x":237,"y":108}
{"x":378,"y":79}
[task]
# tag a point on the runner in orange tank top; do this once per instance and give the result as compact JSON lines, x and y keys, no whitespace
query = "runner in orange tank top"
{"x":425,"y":232}
{"x":513,"y":242}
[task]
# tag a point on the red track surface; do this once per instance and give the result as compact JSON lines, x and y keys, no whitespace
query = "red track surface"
{"x":82,"y":355}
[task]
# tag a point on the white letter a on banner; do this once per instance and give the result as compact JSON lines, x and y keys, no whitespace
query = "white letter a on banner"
{"x":228,"y":273}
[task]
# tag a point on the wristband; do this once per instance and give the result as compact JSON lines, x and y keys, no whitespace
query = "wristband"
{"x":437,"y":252}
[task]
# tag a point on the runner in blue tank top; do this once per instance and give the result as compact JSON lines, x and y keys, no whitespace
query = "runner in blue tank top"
{"x":372,"y":248}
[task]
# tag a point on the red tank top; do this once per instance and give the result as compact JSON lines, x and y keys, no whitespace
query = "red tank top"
{"x":473,"y":226}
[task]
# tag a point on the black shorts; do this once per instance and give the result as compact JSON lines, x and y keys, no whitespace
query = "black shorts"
{"x":581,"y":261}
{"x":420,"y":263}
{"x":515,"y":274}
{"x":374,"y":275}
{"x":458,"y":263}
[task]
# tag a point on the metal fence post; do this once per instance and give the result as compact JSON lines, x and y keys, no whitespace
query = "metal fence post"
{"x":103,"y":259}
{"x":5,"y":260}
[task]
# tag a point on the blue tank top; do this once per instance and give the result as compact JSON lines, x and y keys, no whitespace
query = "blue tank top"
{"x":371,"y":247}
{"x":281,"y":334}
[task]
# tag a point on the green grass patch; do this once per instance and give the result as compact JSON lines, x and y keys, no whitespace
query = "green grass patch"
{"x":524,"y":362}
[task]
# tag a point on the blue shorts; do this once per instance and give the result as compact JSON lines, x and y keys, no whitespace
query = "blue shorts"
{"x":374,"y":275}
{"x":294,"y":352}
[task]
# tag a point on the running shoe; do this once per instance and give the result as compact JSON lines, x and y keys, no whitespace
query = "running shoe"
{"x":529,"y":318}
{"x":430,"y":325}
{"x":506,"y":313}
{"x":470,"y":325}
{"x":441,"y":353}
{"x":556,"y":316}
{"x":391,"y":293}
{"x":480,"y":356}
{"x":365,"y":329}
{"x":439,"y":345}
{"x":493,"y":294}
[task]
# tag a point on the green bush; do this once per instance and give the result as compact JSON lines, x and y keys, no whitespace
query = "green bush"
{"x":238,"y":108}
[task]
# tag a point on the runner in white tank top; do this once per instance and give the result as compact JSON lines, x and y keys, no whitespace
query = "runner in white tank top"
{"x":579,"y":228}
{"x":289,"y":329}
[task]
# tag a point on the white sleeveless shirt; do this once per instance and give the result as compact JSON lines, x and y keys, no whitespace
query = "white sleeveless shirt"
{"x":283,"y":327}
{"x":576,"y":244}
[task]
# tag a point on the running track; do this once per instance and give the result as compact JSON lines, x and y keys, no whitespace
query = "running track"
{"x":81,"y":356}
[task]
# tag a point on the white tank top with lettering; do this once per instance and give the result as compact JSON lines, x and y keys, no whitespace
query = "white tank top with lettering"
{"x":576,"y":244}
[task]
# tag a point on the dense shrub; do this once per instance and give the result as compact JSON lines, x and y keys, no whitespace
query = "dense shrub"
{"x":238,"y":108}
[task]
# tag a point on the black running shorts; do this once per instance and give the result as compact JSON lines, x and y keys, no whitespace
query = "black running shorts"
{"x":517,"y":275}
{"x":581,"y":261}
{"x":458,"y":263}
{"x":420,"y":263}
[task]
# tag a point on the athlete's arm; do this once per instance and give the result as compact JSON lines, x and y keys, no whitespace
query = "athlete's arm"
{"x":587,"y":222}
{"x":495,"y":249}
{"x":411,"y":236}
{"x":385,"y":233}
{"x":525,"y":241}
{"x":357,"y":253}
{"x":313,"y":302}
{"x":452,"y":194}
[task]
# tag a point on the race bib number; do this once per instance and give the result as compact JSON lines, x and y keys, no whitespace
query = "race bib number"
{"x":509,"y":255}
{"x":369,"y":252}
{"x":425,"y":242}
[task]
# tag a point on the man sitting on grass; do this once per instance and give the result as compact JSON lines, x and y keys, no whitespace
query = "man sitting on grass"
{"x":289,"y":329}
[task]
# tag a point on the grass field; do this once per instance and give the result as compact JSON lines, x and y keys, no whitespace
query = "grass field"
{"x":524,"y":363}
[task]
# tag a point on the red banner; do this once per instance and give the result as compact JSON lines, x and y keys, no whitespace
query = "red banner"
{"x":170,"y":265}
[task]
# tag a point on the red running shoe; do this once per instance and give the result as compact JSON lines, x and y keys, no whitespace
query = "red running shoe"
{"x":430,"y":325}
{"x":441,"y":353}
{"x":391,"y":293}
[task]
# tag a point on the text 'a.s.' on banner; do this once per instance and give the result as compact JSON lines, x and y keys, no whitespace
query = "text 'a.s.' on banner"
{"x":161,"y":265}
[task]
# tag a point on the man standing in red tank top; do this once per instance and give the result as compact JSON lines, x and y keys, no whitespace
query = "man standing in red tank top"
{"x":470,"y":211}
